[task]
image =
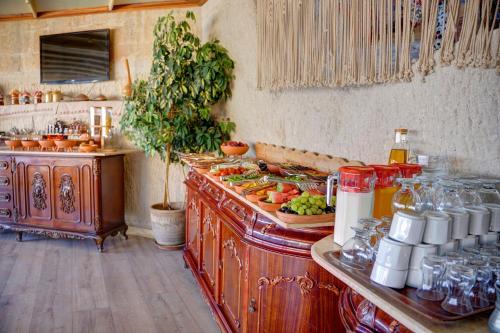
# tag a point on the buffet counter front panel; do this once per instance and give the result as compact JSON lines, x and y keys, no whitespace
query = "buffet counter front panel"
{"x":257,"y":276}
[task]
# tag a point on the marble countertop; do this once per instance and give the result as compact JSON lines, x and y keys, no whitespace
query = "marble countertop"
{"x":405,"y":315}
{"x":98,"y":153}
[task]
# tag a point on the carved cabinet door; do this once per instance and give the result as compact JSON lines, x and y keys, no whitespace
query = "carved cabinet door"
{"x":208,"y":247}
{"x":33,"y":193}
{"x":193,"y":217}
{"x":279,"y":285}
{"x":232,"y":277}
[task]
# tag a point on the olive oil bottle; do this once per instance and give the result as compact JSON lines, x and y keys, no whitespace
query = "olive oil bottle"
{"x":400,"y":149}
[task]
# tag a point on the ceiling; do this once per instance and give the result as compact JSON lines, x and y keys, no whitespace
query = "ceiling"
{"x":25,"y":9}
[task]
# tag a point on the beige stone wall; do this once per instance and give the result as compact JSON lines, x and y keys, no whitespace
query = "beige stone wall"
{"x":131,"y":37}
{"x":452,"y":112}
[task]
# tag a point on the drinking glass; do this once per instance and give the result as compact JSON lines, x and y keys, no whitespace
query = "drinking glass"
{"x":489,"y":192}
{"x":387,"y":221}
{"x":494,"y":265}
{"x":370,"y":224}
{"x":460,"y":281}
{"x":448,"y":195}
{"x":469,"y":193}
{"x":357,"y":252}
{"x":406,"y":198}
{"x":452,"y":258}
{"x":433,"y":268}
{"x":426,"y":193}
{"x":479,"y":291}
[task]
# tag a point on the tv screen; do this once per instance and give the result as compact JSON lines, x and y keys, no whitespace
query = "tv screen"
{"x":75,"y":57}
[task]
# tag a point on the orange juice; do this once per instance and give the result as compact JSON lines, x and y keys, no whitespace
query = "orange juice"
{"x":382,"y":205}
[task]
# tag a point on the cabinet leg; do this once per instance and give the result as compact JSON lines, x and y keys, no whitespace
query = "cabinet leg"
{"x":100,"y":244}
{"x":124,"y":233}
{"x":19,"y":236}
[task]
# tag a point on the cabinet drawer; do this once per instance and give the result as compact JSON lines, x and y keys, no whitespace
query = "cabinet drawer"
{"x":5,"y":167}
{"x":212,"y":191}
{"x":238,"y":211}
{"x":5,"y":214}
{"x":6,"y":198}
{"x":5,"y":182}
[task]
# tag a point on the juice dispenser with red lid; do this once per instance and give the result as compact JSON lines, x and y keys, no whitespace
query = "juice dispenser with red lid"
{"x":355,"y":185}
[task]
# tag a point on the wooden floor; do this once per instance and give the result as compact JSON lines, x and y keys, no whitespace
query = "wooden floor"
{"x":67,"y":286}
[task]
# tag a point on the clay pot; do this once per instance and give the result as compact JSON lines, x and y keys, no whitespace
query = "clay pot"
{"x":30,"y":144}
{"x":47,"y":144}
{"x":169,"y":225}
{"x":232,"y":151}
{"x":13,"y":144}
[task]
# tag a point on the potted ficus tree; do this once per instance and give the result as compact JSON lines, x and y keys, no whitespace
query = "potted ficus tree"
{"x":170,"y":111}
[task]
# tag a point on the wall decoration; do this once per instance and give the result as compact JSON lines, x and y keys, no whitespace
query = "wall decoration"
{"x":337,"y":43}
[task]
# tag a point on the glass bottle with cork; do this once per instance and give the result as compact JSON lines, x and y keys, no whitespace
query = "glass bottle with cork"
{"x":400,"y":149}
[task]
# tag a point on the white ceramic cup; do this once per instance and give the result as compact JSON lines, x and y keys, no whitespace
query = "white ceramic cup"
{"x":407,"y":227}
{"x":418,"y":253}
{"x":468,"y":242}
{"x":448,"y":247}
{"x":437,"y":228}
{"x":460,"y":223}
{"x":495,"y":216}
{"x":479,"y":220}
{"x":414,"y":278}
{"x":393,"y":254}
{"x":388,"y":277}
{"x":488,"y":239}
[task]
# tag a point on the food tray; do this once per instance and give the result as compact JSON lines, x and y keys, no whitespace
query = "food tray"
{"x":303,"y":219}
{"x":406,"y":297}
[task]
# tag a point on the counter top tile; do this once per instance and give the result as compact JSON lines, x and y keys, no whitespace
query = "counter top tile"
{"x":406,"y":316}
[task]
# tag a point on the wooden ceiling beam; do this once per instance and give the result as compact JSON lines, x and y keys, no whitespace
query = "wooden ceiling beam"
{"x":105,"y":9}
{"x":31,"y":3}
{"x":111,"y":4}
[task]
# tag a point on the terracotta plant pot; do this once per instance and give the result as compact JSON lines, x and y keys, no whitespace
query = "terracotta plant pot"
{"x":169,"y":225}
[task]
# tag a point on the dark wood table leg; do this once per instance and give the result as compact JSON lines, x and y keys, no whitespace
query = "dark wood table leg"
{"x":19,"y":236}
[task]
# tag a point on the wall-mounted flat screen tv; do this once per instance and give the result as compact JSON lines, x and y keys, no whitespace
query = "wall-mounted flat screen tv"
{"x":75,"y":57}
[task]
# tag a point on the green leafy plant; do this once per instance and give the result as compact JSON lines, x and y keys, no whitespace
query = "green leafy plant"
{"x":171,"y":111}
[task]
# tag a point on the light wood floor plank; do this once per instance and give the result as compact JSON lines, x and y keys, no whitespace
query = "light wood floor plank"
{"x":67,"y":286}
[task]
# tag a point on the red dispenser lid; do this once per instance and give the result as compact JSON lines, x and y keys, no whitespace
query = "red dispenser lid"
{"x":409,"y":170}
{"x":356,"y":178}
{"x":386,"y":175}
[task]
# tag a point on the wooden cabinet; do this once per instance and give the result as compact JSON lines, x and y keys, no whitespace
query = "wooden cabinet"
{"x":193,"y":217}
{"x":72,"y":197}
{"x":209,"y":260}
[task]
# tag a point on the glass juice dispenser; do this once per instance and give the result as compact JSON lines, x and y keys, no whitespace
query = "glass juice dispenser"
{"x":385,"y":187}
{"x":355,"y":187}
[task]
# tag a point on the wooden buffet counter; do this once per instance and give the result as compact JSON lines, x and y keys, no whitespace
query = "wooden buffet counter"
{"x":63,"y":194}
{"x":357,"y":291}
{"x":256,"y":275}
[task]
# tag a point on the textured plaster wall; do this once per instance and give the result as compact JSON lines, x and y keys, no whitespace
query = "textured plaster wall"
{"x":453,"y":112}
{"x":131,"y":37}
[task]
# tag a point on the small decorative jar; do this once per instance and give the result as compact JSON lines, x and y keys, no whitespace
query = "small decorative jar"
{"x":48,"y":97}
{"x":25,"y":98}
{"x":56,"y":96}
{"x":14,"y":96}
{"x":37,"y":97}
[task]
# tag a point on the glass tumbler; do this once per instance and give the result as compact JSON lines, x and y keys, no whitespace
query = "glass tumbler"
{"x":357,"y":252}
{"x":433,"y":268}
{"x":494,"y":264}
{"x":460,"y":281}
{"x":489,"y":192}
{"x":469,"y":193}
{"x":448,"y":195}
{"x":426,"y":193}
{"x":452,"y":258}
{"x":479,"y":291}
{"x":406,"y":198}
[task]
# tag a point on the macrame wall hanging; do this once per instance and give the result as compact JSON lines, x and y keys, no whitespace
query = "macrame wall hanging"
{"x":337,"y":43}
